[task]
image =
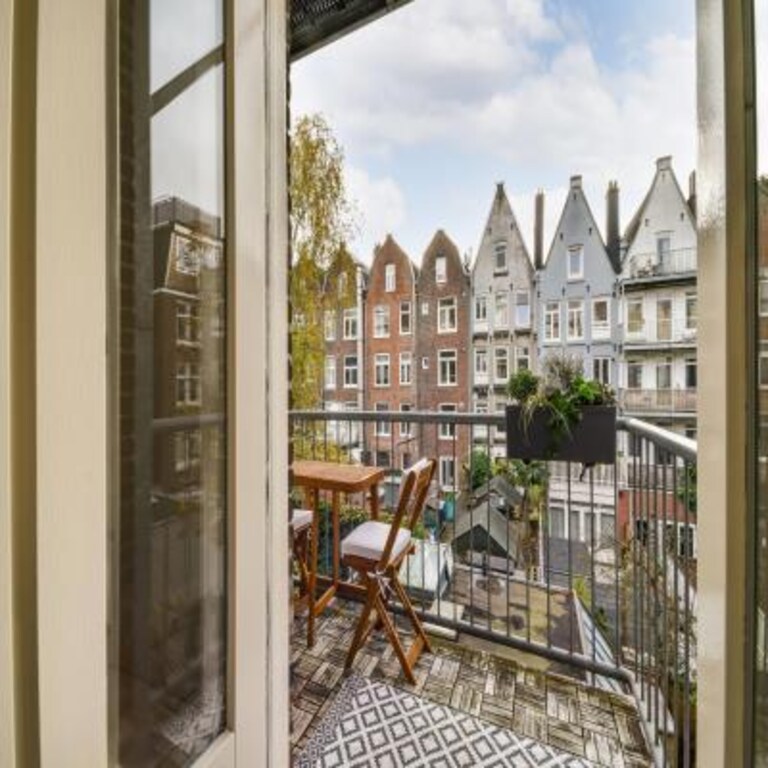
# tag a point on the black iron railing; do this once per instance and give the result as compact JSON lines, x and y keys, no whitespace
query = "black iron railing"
{"x":591,"y":567}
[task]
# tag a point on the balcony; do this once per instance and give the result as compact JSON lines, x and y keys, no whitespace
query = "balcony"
{"x":639,"y":402}
{"x":664,"y":334}
{"x":654,"y":266}
{"x":562,"y":612}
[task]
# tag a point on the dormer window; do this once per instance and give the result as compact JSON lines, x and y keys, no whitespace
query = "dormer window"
{"x":389,"y":278}
{"x":441,"y":274}
{"x":500,"y":256}
{"x":576,"y":262}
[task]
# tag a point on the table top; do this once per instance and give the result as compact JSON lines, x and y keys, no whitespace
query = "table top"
{"x":348,"y":478}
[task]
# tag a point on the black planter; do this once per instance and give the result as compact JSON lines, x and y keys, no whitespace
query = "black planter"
{"x":591,"y":441}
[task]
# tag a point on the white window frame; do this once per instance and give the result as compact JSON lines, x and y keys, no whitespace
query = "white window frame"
{"x":481,"y":318}
{"x":552,"y":321}
{"x":382,"y":362}
{"x":406,"y":310}
{"x":351,"y":323}
{"x":762,"y":370}
{"x":499,"y":354}
{"x":425,"y":309}
{"x":637,"y":302}
{"x":636,"y":365}
{"x":446,"y":308}
{"x":406,"y":364}
{"x":348,"y":369}
{"x":329,"y":325}
{"x":447,"y":356}
{"x":481,"y":372}
{"x":406,"y":426}
{"x":441,"y":270}
{"x":601,"y":330}
{"x":762,"y":297}
{"x":329,"y":375}
{"x":519,"y":356}
{"x":574,"y":310}
{"x":501,"y":318}
{"x":382,"y":428}
{"x":447,"y":431}
{"x":188,"y":323}
{"x":500,"y":248}
{"x":692,"y":318}
{"x":575,"y":250}
{"x":390,"y":278}
{"x":526,"y":321}
{"x":602,"y":366}
{"x":443,"y":463}
{"x":188,"y":376}
{"x":381,"y":321}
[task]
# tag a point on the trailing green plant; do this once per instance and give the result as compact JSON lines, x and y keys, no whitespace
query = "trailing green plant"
{"x":523,"y":385}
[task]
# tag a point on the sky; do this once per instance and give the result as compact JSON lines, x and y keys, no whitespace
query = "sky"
{"x":436,"y":102}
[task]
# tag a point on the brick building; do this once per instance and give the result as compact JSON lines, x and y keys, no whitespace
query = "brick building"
{"x":390,"y":360}
{"x":442,"y":353}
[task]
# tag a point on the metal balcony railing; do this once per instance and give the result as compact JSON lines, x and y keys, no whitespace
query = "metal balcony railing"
{"x":665,"y":263}
{"x":591,"y":567}
{"x":642,"y":401}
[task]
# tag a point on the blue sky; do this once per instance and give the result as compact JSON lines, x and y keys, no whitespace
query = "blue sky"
{"x":438,"y":101}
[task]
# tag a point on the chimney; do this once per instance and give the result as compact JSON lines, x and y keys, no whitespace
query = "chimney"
{"x":538,"y":232}
{"x":576,"y":182}
{"x":692,"y":193}
{"x":664,"y":163}
{"x":612,"y":234}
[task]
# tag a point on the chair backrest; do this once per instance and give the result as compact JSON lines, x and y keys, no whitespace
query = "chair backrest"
{"x":413,"y":495}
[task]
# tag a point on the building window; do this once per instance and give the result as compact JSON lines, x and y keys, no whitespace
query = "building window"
{"x":381,"y":322}
{"x":522,"y":359}
{"x":481,"y":366}
{"x":664,"y":319}
{"x":382,"y":458}
{"x":187,"y":322}
{"x":186,"y":450}
{"x":575,"y":320}
{"x":763,"y":297}
{"x":447,"y":472}
{"x":389,"y":278}
{"x":405,"y":318}
{"x":552,"y":321}
{"x":691,"y":311}
{"x":330,"y":325}
{"x":601,"y":369}
{"x":440,"y":270}
{"x":522,"y":309}
{"x":381,"y":368}
{"x":382,"y":428}
{"x":448,"y":373}
{"x":330,"y":372}
{"x":691,"y":374}
{"x":634,"y":374}
{"x":501,"y":364}
{"x":350,"y":324}
{"x":188,"y":384}
{"x":663,"y":248}
{"x":406,"y":374}
{"x":405,"y":426}
{"x":601,"y":324}
{"x":350,"y":371}
{"x":424,"y":308}
{"x":446,"y":315}
{"x":424,"y":363}
{"x":500,"y":257}
{"x":664,"y":375}
{"x":763,"y":369}
{"x":447,"y":431}
{"x":576,"y":262}
{"x":501,"y":430}
{"x":501,"y":310}
{"x":635,"y":319}
{"x":481,"y":309}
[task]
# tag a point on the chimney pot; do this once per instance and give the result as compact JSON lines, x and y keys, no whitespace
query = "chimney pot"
{"x":664,"y":163}
{"x":576,"y":182}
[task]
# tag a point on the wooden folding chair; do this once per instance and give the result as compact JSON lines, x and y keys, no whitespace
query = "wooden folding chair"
{"x":376,"y":550}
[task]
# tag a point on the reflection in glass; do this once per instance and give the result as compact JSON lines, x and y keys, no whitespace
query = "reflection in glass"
{"x":170,"y":633}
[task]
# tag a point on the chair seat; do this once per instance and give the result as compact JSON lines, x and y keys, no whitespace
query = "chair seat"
{"x":300,"y":519}
{"x":368,"y":540}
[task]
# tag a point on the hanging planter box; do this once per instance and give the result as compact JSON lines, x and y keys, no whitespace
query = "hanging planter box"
{"x":591,"y":441}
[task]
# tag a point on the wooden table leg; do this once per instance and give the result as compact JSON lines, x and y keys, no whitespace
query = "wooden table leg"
{"x":336,"y":536}
{"x":375,"y":501}
{"x":313,"y":567}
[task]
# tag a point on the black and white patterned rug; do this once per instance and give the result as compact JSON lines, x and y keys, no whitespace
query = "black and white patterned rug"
{"x":372,"y":724}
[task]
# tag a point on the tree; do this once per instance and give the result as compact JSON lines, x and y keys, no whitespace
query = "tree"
{"x":479,"y":469}
{"x":323,"y":274}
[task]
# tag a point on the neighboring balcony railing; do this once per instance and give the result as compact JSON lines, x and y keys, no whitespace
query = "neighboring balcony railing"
{"x":641,"y":401}
{"x":594,"y":568}
{"x":665,"y":263}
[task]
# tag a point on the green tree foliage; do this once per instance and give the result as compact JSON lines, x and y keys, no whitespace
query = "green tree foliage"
{"x":323,"y":274}
{"x":479,"y":469}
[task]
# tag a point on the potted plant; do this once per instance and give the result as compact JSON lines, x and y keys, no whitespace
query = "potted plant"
{"x":561,"y":416}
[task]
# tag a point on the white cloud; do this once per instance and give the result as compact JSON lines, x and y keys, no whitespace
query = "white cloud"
{"x":381,"y":205}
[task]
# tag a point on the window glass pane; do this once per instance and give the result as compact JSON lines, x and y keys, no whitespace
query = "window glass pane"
{"x":171,"y":527}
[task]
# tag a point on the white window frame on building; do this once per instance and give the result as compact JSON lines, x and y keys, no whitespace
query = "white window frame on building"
{"x":501,"y":309}
{"x":447,"y":431}
{"x":500,"y":257}
{"x":501,"y":365}
{"x":406,"y":369}
{"x":330,"y":372}
{"x":447,"y":315}
{"x":187,"y":322}
{"x":575,"y":319}
{"x":522,"y":358}
{"x":522,"y":309}
{"x":351,"y":323}
{"x":691,"y":373}
{"x":447,"y":472}
{"x":447,"y":368}
{"x":552,"y":321}
{"x":406,"y":318}
{"x":481,"y":310}
{"x":382,"y":370}
{"x":425,"y":309}
{"x":187,"y":446}
{"x":637,"y":366}
{"x":481,"y":366}
{"x":664,"y":329}
{"x":635,"y":325}
{"x":406,"y":426}
{"x":188,"y":384}
{"x":390,"y":278}
{"x":575,"y":268}
{"x":691,"y":311}
{"x":351,"y":372}
{"x":601,"y":327}
{"x":763,"y":296}
{"x":381,"y":325}
{"x":329,"y":325}
{"x":601,"y":369}
{"x":441,"y":270}
{"x":382,"y":428}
